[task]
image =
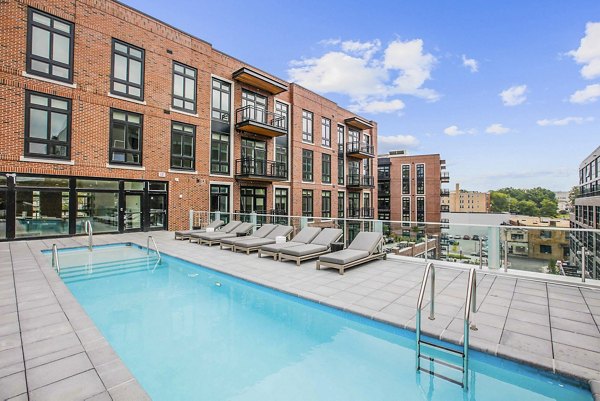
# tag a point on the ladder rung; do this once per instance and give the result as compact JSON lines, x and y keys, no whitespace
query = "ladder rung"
{"x":441,"y":347}
{"x":442,"y":362}
{"x":451,"y":380}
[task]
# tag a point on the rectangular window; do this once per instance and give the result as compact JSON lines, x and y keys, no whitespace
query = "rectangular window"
{"x":546,"y":249}
{"x":307,"y":126}
{"x":219,"y":201}
{"x":326,"y":169}
{"x":47,"y":126}
{"x":49,"y":46}
{"x":281,"y":142}
{"x":184,"y":87}
{"x":420,"y":179}
{"x":341,"y":203}
{"x":183,"y":141}
{"x":406,"y":179}
{"x":307,"y":165}
{"x":254,"y":106}
{"x":341,"y":171}
{"x":125,"y":137}
{"x":219,"y":153}
{"x":420,"y":209}
{"x":341,"y":162}
{"x":383,"y":203}
{"x":326,"y":132}
{"x":405,"y":209}
{"x":307,"y":202}
{"x":127,"y":77}
{"x":544,"y":234}
{"x":221,"y":101}
{"x":326,"y":203}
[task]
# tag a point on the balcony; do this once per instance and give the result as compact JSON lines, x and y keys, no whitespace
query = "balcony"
{"x":258,"y":80}
{"x":359,"y":123}
{"x":445,"y":193}
{"x":260,"y":170}
{"x":356,"y":181}
{"x":367,"y":212}
{"x":360,"y":150}
{"x":261,"y":122}
{"x":445,"y":177}
{"x":444,"y":208}
{"x":353,"y":213}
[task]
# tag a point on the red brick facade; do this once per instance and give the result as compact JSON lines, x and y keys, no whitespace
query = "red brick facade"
{"x":96,"y":23}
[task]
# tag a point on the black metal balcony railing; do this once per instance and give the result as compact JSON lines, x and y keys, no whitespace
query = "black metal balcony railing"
{"x":445,"y":208}
{"x":353,"y":213}
{"x":249,"y":167}
{"x":360,"y":149}
{"x":445,"y":192}
{"x":360,"y":181}
{"x":367,"y":212}
{"x":445,"y":177}
{"x":260,"y":121}
{"x":383,"y":175}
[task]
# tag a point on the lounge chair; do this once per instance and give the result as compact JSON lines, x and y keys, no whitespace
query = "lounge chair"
{"x":253,"y":244}
{"x":318,"y":246}
{"x":185,"y":234}
{"x":365,"y":247}
{"x":305,"y":235}
{"x":232,"y":225}
{"x":216,"y":237}
{"x":263,"y":231}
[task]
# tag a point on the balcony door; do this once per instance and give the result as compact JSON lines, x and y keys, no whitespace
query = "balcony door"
{"x":255,"y":106}
{"x":219,"y":201}
{"x":254,"y":157}
{"x":354,"y":204}
{"x":253,"y":199}
{"x":281,"y":205}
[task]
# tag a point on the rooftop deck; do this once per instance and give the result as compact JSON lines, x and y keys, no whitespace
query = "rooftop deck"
{"x":51,"y":350}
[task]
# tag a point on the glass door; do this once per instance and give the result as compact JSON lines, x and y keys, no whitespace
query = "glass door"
{"x":219,"y":201}
{"x":132,"y":215}
{"x":254,"y":157}
{"x":158,"y":211}
{"x":281,"y":206}
{"x":3,"y":200}
{"x":253,"y":200}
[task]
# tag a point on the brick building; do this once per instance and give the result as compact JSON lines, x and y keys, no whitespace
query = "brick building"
{"x":409,"y":189}
{"x":113,"y":116}
{"x":462,"y":201}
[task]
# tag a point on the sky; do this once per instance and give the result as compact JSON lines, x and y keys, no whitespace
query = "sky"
{"x":507,"y":92}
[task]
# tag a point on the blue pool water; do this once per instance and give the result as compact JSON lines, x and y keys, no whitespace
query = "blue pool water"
{"x":189,"y":333}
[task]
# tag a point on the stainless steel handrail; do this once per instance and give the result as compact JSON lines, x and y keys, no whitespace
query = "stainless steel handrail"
{"x":470,"y":306}
{"x":55,"y":262}
{"x":430,"y":268}
{"x":90,"y":232}
{"x":155,"y":247}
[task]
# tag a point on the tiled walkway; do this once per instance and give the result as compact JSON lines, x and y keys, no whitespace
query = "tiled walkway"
{"x":551,"y":326}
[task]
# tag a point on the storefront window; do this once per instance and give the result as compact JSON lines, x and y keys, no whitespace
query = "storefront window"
{"x":100,"y":208}
{"x":41,"y":213}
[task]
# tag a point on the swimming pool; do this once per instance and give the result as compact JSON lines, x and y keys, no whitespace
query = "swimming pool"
{"x":190,"y":333}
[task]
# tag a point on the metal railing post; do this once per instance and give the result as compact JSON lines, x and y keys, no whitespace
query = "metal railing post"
{"x":505,"y":256}
{"x":90,"y":232}
{"x":480,"y":254}
{"x":426,"y":246}
{"x":583,"y":263}
{"x":55,"y":262}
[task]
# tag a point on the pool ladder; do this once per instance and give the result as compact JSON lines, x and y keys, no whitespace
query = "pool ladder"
{"x":90,"y":232}
{"x":151,"y":238}
{"x":470,"y":306}
{"x":55,"y":262}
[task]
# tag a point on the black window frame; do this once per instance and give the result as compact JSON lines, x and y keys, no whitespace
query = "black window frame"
{"x":325,"y":132}
{"x":111,"y":148}
{"x":127,"y":83}
{"x":49,"y":110}
{"x":30,"y":56}
{"x":307,"y":136}
{"x":406,"y":179}
{"x":220,"y":162}
{"x":307,"y":200}
{"x":405,"y":210}
{"x":222,"y":112}
{"x":420,"y":209}
{"x":420,"y":173}
{"x":342,"y":204}
{"x":326,"y":167}
{"x":307,"y":165}
{"x":326,"y":204}
{"x":184,"y":77}
{"x":175,"y":131}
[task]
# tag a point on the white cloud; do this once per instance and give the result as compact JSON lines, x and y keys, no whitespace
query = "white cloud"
{"x":397,"y":140}
{"x":497,"y":129}
{"x":453,"y":130}
{"x":373,"y":78}
{"x":564,"y":121}
{"x":588,"y":52}
{"x":589,"y":94}
{"x":514,"y":95}
{"x":470,"y":63}
{"x":378,"y":106}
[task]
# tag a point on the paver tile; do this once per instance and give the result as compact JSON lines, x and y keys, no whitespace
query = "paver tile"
{"x":527,"y":343}
{"x":54,"y":371}
{"x":74,"y":388}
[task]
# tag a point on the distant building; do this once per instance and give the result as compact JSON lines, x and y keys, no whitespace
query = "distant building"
{"x":587,"y":214}
{"x":562,"y":198}
{"x":539,"y":243}
{"x":461,"y":201}
{"x":409,"y":189}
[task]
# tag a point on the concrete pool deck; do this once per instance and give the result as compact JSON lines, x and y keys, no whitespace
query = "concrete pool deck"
{"x":51,"y":350}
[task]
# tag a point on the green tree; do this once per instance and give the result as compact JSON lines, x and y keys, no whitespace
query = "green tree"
{"x":548,"y":208}
{"x":573,"y":194}
{"x":499,"y":202}
{"x":528,"y":208}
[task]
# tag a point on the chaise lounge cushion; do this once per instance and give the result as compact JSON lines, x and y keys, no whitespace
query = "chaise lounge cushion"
{"x":240,"y":229}
{"x":344,"y":256}
{"x":366,"y":241}
{"x":260,"y":233}
{"x":278,"y":247}
{"x":327,"y":236}
{"x":304,"y":250}
{"x":214,"y":224}
{"x":307,"y":234}
{"x":280,"y":231}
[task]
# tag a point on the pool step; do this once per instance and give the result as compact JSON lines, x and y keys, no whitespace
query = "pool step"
{"x":107,"y":270}
{"x":109,"y":263}
{"x":75,"y":279}
{"x":439,"y":361}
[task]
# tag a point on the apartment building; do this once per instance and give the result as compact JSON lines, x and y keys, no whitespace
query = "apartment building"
{"x":409,"y":189}
{"x":112,"y":116}
{"x":544,"y":244}
{"x":586,"y":215}
{"x":462,"y":201}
